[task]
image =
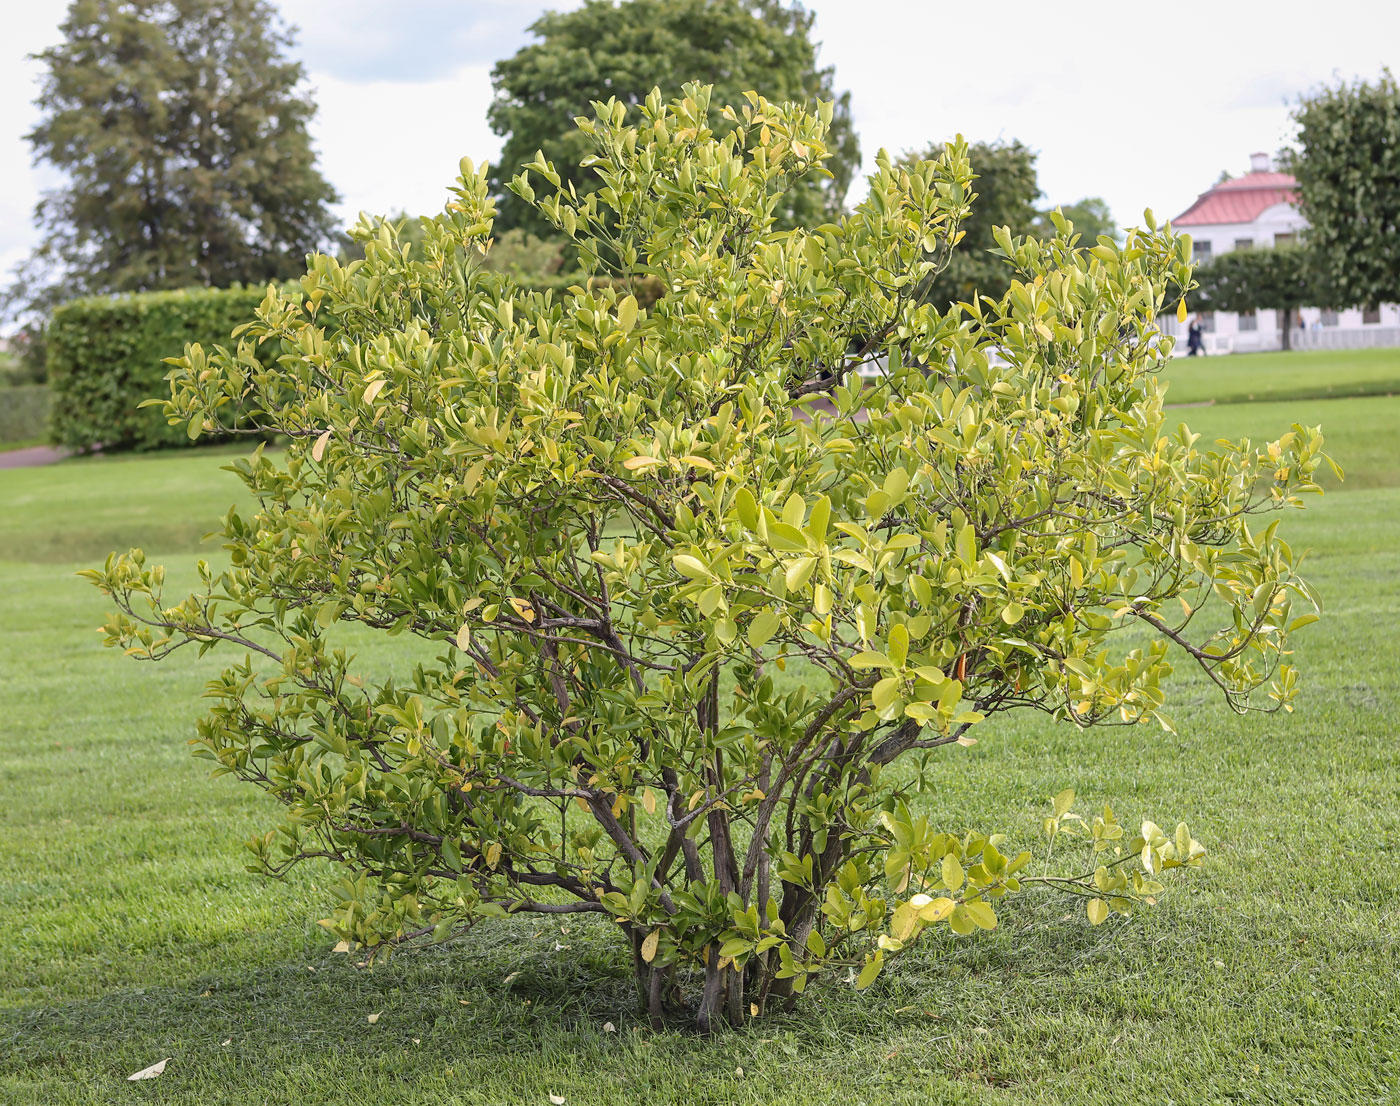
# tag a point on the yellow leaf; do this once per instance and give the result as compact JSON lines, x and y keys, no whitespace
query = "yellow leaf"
{"x":1181,"y":310}
{"x":649,"y":944}
{"x":649,"y":801}
{"x":319,"y":449}
{"x":374,"y":388}
{"x":935,"y":910}
{"x":464,"y":636}
{"x":627,"y":313}
{"x":493,"y":854}
{"x":690,"y":566}
{"x":1098,"y":911}
{"x":952,"y":872}
{"x":372,"y":1018}
{"x":635,"y":464}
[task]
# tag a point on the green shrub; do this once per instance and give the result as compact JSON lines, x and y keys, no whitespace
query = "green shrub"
{"x":24,"y":412}
{"x":106,"y":356}
{"x":684,"y":650}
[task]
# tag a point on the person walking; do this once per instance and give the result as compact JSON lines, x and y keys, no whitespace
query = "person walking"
{"x":1194,"y":342}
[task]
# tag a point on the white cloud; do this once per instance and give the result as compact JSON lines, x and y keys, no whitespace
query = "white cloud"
{"x":394,"y":145}
{"x":1142,"y":104}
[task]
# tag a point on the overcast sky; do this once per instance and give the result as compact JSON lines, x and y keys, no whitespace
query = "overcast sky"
{"x":1143,"y":104}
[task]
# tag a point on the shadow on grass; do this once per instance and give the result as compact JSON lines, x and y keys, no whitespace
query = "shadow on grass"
{"x":512,"y":1002}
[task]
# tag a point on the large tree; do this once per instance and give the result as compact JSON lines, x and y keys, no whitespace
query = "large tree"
{"x":1006,"y":190}
{"x":1277,"y":279}
{"x":604,"y":49}
{"x":1349,"y":189}
{"x":182,"y":128}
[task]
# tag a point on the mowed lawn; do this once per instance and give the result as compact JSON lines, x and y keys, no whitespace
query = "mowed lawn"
{"x":131,"y":932}
{"x":1301,"y":374}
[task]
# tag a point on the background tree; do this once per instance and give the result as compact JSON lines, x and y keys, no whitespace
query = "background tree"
{"x":687,"y":640}
{"x":1006,"y":189}
{"x":182,"y":129}
{"x":1091,"y":217}
{"x":1278,"y":279}
{"x":603,"y":50}
{"x":1348,"y":174}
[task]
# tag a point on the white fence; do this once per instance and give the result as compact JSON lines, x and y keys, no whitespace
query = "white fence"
{"x":1335,"y":338}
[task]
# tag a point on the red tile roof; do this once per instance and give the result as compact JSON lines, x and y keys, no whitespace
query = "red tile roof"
{"x":1239,"y":200}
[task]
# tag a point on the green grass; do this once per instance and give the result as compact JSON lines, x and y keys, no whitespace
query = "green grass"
{"x":132,"y":933}
{"x":1303,"y":374}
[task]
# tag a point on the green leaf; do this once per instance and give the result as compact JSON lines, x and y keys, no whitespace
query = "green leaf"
{"x":870,"y":972}
{"x":967,"y":545}
{"x":764,"y":625}
{"x":885,"y":693}
{"x":799,"y":572}
{"x":690,"y":566}
{"x":787,"y":538}
{"x":819,"y":520}
{"x":746,"y":508}
{"x":896,"y":483}
{"x":898,"y":645}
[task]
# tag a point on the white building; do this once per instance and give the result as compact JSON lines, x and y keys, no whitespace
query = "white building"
{"x":1257,"y":211}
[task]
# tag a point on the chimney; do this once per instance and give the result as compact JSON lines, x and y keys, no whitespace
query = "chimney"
{"x":1259,"y":163}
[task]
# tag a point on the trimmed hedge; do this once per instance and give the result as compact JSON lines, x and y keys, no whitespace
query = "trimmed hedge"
{"x":24,"y":411}
{"x":105,"y":356}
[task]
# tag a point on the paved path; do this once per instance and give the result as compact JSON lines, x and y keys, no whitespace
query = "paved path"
{"x":28,"y":458}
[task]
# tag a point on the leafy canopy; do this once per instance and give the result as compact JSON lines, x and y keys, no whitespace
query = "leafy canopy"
{"x":693,"y":603}
{"x":1349,"y":189}
{"x":181,"y":129}
{"x":602,"y":49}
{"x":1006,"y":188}
{"x":1278,"y":279}
{"x":1091,"y":217}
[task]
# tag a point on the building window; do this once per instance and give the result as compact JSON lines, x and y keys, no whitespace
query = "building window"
{"x":1285,"y":239}
{"x":1249,"y":321}
{"x":1371,"y":316}
{"x":1207,"y":321}
{"x":1244,"y":243}
{"x":1329,"y":318}
{"x":1200,"y":252}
